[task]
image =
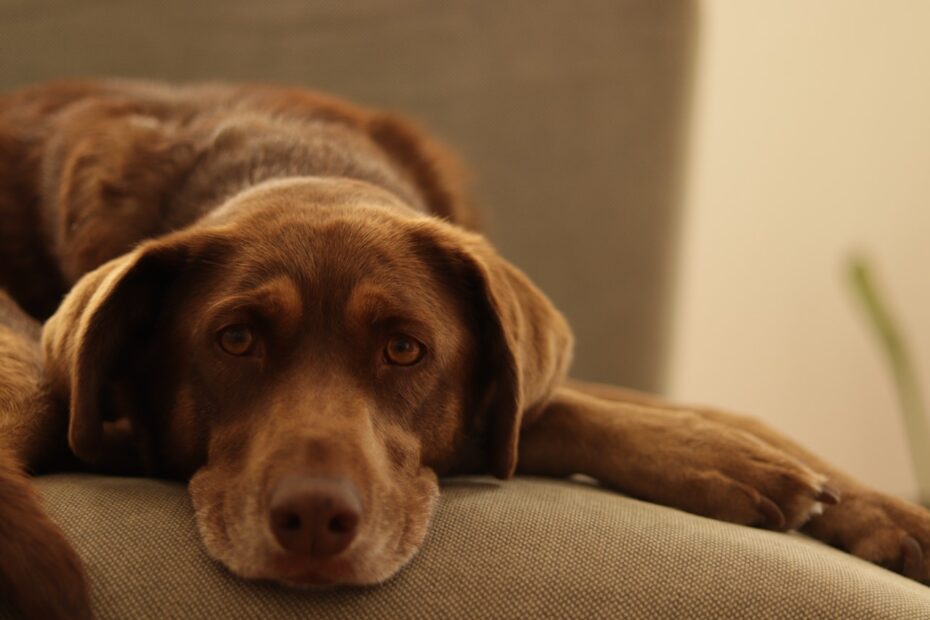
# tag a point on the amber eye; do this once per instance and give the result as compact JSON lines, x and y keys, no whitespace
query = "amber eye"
{"x":403,"y":350}
{"x":237,"y":339}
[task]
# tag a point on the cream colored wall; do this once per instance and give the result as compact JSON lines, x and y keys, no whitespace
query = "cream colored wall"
{"x":811,"y":140}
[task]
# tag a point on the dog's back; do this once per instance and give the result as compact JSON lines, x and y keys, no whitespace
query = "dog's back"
{"x":91,"y":168}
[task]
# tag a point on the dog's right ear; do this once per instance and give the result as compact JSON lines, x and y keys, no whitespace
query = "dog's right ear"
{"x":97,"y":330}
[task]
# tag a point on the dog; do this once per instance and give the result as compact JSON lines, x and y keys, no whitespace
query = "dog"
{"x":282,"y":298}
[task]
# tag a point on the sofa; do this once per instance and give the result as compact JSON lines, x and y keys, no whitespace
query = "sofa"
{"x":566,"y":112}
{"x":526,"y":548}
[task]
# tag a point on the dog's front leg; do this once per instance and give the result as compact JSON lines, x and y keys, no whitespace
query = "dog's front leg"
{"x":673,"y":457}
{"x":708,"y":461}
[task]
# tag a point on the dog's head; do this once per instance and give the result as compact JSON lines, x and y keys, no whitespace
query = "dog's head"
{"x":313,"y":355}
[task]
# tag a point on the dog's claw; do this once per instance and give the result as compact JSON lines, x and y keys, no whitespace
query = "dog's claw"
{"x":913,"y":557}
{"x":828,"y":495}
{"x":774,"y":517}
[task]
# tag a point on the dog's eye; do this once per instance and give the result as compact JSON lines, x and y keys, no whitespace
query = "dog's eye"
{"x":403,"y":350}
{"x":237,"y":339}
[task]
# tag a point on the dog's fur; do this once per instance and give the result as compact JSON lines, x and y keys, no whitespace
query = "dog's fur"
{"x":165,"y":215}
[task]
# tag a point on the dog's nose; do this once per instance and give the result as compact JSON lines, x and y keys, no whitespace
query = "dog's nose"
{"x":315,"y":516}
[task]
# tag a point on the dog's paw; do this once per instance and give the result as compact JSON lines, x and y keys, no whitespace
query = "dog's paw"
{"x":733,"y":476}
{"x":775,"y":494}
{"x":881,"y":529}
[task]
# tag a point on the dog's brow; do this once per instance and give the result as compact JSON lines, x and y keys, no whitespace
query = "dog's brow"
{"x":371,"y":303}
{"x":279,"y":297}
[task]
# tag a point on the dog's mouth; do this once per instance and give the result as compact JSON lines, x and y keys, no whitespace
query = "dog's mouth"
{"x":237,"y":531}
{"x":294,"y":571}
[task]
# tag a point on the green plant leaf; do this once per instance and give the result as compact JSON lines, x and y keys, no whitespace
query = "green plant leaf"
{"x":893,"y":344}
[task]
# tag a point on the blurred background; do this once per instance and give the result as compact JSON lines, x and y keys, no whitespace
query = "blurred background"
{"x":686,"y":179}
{"x":810,"y":140}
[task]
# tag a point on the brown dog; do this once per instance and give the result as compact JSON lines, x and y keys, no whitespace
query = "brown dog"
{"x":276,"y":296}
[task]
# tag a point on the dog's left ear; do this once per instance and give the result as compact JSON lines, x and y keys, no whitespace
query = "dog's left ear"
{"x":525,"y":343}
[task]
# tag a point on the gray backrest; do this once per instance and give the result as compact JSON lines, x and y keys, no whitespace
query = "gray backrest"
{"x":569,"y":112}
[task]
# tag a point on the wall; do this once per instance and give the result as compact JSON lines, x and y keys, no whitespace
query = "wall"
{"x":811,"y":140}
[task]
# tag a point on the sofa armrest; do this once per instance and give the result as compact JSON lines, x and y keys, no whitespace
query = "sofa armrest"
{"x":528,"y":548}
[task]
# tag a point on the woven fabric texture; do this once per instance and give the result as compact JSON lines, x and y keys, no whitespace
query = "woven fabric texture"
{"x":528,"y":548}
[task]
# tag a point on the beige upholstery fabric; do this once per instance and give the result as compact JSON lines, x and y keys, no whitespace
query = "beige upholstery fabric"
{"x":522,"y":549}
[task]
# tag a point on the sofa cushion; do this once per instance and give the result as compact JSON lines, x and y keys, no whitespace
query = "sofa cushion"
{"x":528,"y":548}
